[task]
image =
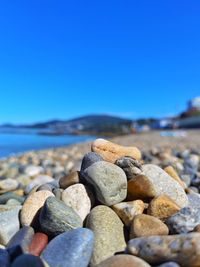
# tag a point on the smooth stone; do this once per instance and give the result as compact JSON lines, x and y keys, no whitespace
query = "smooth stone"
{"x":28,"y":260}
{"x":123,"y":261}
{"x":130,"y":166}
{"x":108,"y":180}
{"x":32,"y":170}
{"x":162,"y":207}
{"x":111,"y":151}
{"x":56,"y":217}
{"x":77,"y":198}
{"x":127,"y":210}
{"x":4,"y":258}
{"x":89,"y":159}
{"x":108,"y":233}
{"x":68,"y":180}
{"x":169,"y":264}
{"x":171,"y":171}
{"x":183,"y":249}
{"x":6,"y":196}
{"x":70,"y":249}
{"x":8,"y":185}
{"x":20,"y":242}
{"x":38,"y":181}
{"x":9,"y":224}
{"x":146,"y":225}
{"x":187,"y":218}
{"x":32,"y":206}
{"x":38,"y":244}
{"x":154,"y":182}
{"x":12,"y":202}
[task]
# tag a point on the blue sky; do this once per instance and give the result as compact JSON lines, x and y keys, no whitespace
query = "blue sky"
{"x":62,"y":59}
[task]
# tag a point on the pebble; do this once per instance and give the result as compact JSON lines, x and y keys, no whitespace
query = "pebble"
{"x":130,"y":166}
{"x":32,"y":205}
{"x":111,"y":151}
{"x":6,"y":196}
{"x":38,"y":244}
{"x":183,"y":249}
{"x":72,"y":196}
{"x":89,"y":159}
{"x":109,"y":182}
{"x":156,"y":182}
{"x":70,"y":249}
{"x":8,"y":185}
{"x":56,"y":217}
{"x":4,"y":258}
{"x":28,"y":260}
{"x":32,"y":170}
{"x":9,"y":224}
{"x":146,"y":225}
{"x":70,"y":179}
{"x":127,"y":210}
{"x":162,"y":207}
{"x":38,"y":180}
{"x":169,"y":264}
{"x":171,"y":171}
{"x":123,"y":261}
{"x":108,"y":233}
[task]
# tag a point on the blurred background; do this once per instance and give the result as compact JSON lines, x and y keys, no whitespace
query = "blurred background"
{"x":74,"y":70}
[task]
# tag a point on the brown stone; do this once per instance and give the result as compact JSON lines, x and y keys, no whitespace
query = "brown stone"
{"x":38,"y":243}
{"x":70,"y":179}
{"x":162,"y":207}
{"x":197,"y":229}
{"x":171,"y":171}
{"x":111,"y":151}
{"x":146,"y":225}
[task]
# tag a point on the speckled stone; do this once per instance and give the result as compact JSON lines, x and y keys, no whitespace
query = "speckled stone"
{"x":28,"y":260}
{"x":32,"y":205}
{"x":108,"y":232}
{"x":56,"y":217}
{"x":89,"y":159}
{"x":70,"y":249}
{"x":68,"y":180}
{"x":38,"y":244}
{"x":183,"y":249}
{"x":108,"y":180}
{"x":130,"y":166}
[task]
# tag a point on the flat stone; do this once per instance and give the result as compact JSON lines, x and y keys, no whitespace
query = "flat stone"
{"x":4,"y":258}
{"x":38,"y":244}
{"x":32,"y":170}
{"x":6,"y":196}
{"x":32,"y":205}
{"x":70,"y":249}
{"x":154,"y":182}
{"x":77,"y":198}
{"x":123,"y":261}
{"x":28,"y":260}
{"x":127,"y":210}
{"x":183,"y":249}
{"x":130,"y":166}
{"x":9,"y":224}
{"x":37,"y":181}
{"x":70,"y":179}
{"x":89,"y":159}
{"x":108,"y":180}
{"x":108,"y":233}
{"x":162,"y":207}
{"x":111,"y":151}
{"x":56,"y":217}
{"x":146,"y":225}
{"x":8,"y":185}
{"x":19,"y":243}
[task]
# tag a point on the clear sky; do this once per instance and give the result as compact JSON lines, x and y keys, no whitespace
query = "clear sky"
{"x":62,"y":59}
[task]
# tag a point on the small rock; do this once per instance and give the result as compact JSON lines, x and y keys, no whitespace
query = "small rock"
{"x":127,"y":210}
{"x":28,"y":260}
{"x":8,"y":185}
{"x":146,"y":225}
{"x":108,"y":180}
{"x":56,"y":217}
{"x":39,"y":180}
{"x":111,"y":151}
{"x":6,"y":196}
{"x":169,"y":264}
{"x":32,"y":205}
{"x":70,"y":249}
{"x":89,"y":159}
{"x":4,"y":258}
{"x":38,"y":244}
{"x":171,"y":171}
{"x":183,"y":249}
{"x":130,"y":166}
{"x":108,"y":233}
{"x":70,"y":179}
{"x":32,"y":170}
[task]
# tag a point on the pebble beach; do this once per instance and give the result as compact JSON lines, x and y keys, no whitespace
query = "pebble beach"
{"x":124,"y":202}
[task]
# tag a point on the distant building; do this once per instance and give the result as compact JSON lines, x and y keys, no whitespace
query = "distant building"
{"x":194,"y":104}
{"x":164,"y":123}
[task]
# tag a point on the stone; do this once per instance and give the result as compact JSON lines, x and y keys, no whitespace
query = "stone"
{"x":127,"y":210}
{"x":70,"y":249}
{"x":9,"y":224}
{"x":8,"y":185}
{"x":70,"y":179}
{"x":108,"y":180}
{"x":56,"y":217}
{"x":171,"y":171}
{"x":146,"y":225}
{"x":28,"y":260}
{"x":19,"y":243}
{"x":169,"y":264}
{"x":123,"y":261}
{"x":130,"y":166}
{"x":32,"y":170}
{"x":183,"y":249}
{"x":6,"y":196}
{"x":32,"y":206}
{"x":108,"y":233}
{"x":111,"y":151}
{"x":38,"y":244}
{"x":37,"y":181}
{"x":154,"y":182}
{"x":162,"y":207}
{"x":77,"y":198}
{"x":89,"y":159}
{"x":4,"y":258}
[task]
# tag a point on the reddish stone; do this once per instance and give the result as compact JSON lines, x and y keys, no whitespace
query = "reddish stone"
{"x":38,"y":244}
